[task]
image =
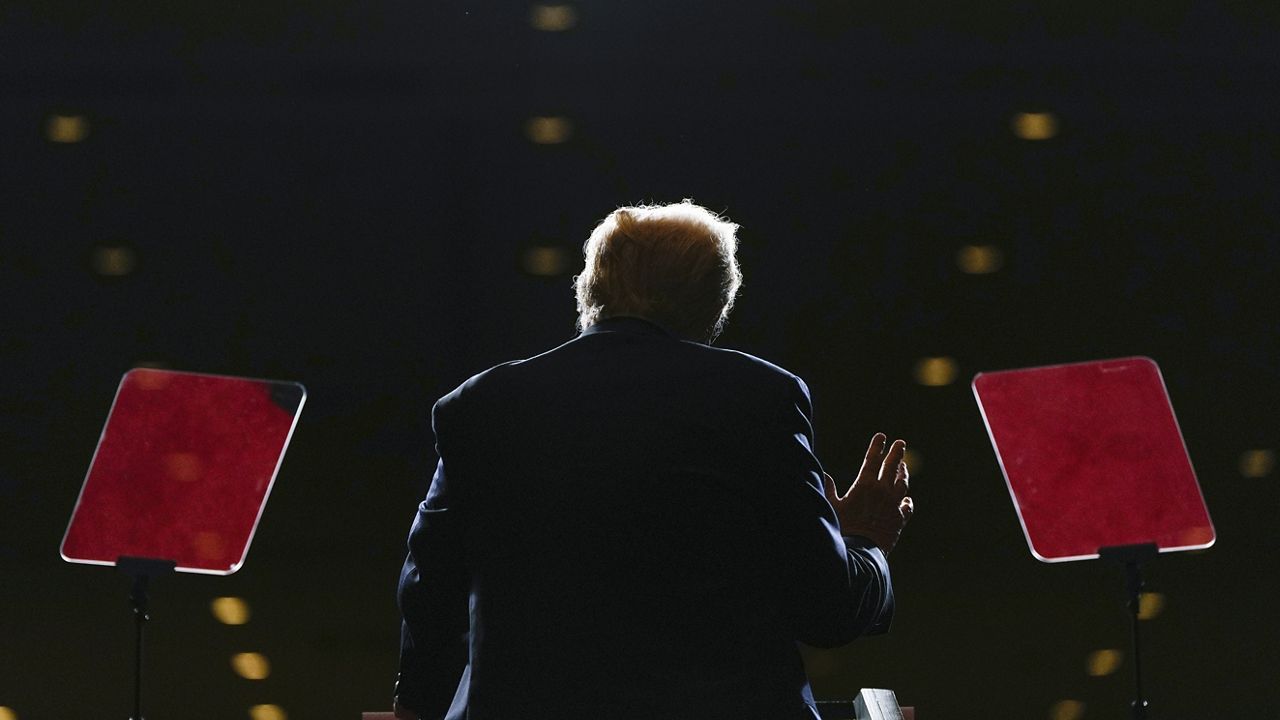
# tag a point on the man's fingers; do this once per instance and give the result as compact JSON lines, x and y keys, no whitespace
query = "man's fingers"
{"x":875,"y":451}
{"x":902,"y":480}
{"x":889,"y":470}
{"x":907,"y":508}
{"x":876,"y":448}
{"x":829,"y":487}
{"x":873,"y":459}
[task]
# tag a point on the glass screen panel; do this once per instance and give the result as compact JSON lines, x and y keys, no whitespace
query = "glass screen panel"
{"x":183,"y":469}
{"x":1093,"y":458}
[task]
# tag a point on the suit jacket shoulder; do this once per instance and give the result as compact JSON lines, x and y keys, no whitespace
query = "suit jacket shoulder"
{"x":758,"y":379}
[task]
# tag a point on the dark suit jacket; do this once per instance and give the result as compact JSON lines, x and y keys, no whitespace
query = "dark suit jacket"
{"x":628,"y":526}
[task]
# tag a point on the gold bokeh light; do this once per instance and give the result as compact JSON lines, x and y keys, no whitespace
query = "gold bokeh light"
{"x":936,"y":371}
{"x":251,"y":665}
{"x":1034,"y":125}
{"x":1257,"y":463}
{"x":1066,"y":710}
{"x":913,"y":460}
{"x":151,"y":380}
{"x":113,"y":260}
{"x":1150,"y":605}
{"x":1101,"y":663}
{"x":548,"y":130}
{"x":209,"y":545}
{"x":230,"y":610}
{"x":267,"y":712}
{"x":183,"y":467}
{"x":545,"y":261}
{"x":7,"y":713}
{"x":979,"y":259}
{"x":553,"y":18}
{"x":66,"y":129}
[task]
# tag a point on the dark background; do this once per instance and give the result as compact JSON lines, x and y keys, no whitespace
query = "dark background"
{"x":343,"y":193}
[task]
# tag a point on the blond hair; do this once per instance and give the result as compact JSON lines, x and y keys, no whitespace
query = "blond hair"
{"x":674,"y":265}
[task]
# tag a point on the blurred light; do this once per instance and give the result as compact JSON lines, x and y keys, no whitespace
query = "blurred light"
{"x":1035,"y":126}
{"x":1257,"y":463}
{"x":251,"y":666}
{"x":230,"y":610}
{"x":209,"y":545}
{"x":546,"y":261}
{"x":1150,"y":605}
{"x":1103,"y":662}
{"x":1066,"y":710}
{"x":548,"y":130}
{"x":936,"y":371}
{"x":7,"y":713}
{"x":1196,"y":535}
{"x":113,"y":260}
{"x":979,"y":259}
{"x":267,"y":712}
{"x":913,"y":461}
{"x":183,"y":467}
{"x":152,"y":380}
{"x":553,"y":18}
{"x":66,"y":129}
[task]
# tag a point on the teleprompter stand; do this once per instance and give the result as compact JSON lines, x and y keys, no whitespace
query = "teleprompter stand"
{"x":1131,"y":558}
{"x":1097,"y":468}
{"x":141,"y":570}
{"x":179,"y":480}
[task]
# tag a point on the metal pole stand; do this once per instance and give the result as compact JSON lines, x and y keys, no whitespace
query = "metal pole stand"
{"x":1131,"y":558}
{"x":141,"y":570}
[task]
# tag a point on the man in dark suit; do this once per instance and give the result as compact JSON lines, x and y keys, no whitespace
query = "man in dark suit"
{"x":634,"y":525}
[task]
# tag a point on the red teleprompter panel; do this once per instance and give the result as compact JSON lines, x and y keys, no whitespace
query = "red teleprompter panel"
{"x":183,"y":470}
{"x":1093,"y":458}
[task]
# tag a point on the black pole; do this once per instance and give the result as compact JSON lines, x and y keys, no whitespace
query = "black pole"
{"x":142,"y":570}
{"x":139,"y":599}
{"x":1131,"y":558}
{"x":1133,"y":585}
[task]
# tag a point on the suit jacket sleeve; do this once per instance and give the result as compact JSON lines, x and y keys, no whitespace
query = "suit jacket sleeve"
{"x":434,"y":592}
{"x":833,"y":588}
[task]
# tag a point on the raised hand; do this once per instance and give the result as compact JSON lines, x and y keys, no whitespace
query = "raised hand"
{"x":877,"y":506}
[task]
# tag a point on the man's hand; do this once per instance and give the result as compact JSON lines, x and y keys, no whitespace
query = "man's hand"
{"x":877,"y":506}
